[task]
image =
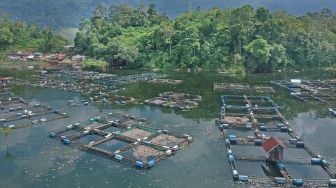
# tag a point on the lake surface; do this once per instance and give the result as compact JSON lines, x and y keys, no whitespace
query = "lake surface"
{"x":38,"y":161}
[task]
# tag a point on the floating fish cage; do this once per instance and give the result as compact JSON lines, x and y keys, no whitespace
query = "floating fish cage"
{"x":231,"y":87}
{"x":179,"y":101}
{"x":243,"y":112}
{"x":264,"y":89}
{"x":165,"y":81}
{"x":98,"y":87}
{"x":309,"y":90}
{"x":18,"y":113}
{"x":246,"y":148}
{"x":135,"y":145}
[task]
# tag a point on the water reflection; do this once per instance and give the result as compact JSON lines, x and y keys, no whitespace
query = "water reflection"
{"x":38,"y":161}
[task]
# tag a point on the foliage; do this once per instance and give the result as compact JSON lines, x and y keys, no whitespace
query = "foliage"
{"x":16,"y":36}
{"x":67,"y":13}
{"x":232,"y":40}
{"x":95,"y":64}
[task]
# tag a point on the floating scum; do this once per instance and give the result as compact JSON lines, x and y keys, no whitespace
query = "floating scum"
{"x":132,"y":142}
{"x":262,"y":136}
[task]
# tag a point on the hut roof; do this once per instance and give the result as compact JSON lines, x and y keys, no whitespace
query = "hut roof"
{"x":271,"y":144}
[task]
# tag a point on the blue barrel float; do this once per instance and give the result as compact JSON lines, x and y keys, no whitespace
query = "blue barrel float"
{"x":224,"y":126}
{"x":257,"y":142}
{"x":66,"y":141}
{"x":243,"y":178}
{"x":139,"y":164}
{"x":235,"y":175}
{"x":150,"y":163}
{"x":263,"y":128}
{"x":298,"y":182}
{"x":316,"y":161}
{"x":52,"y":134}
{"x":284,"y":129}
{"x":300,"y":144}
{"x":233,"y":139}
{"x":231,"y":158}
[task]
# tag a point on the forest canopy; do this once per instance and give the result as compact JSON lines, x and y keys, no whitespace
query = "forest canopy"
{"x":245,"y":38}
{"x":16,"y":36}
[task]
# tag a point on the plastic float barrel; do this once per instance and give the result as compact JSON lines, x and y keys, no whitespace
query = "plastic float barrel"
{"x":175,"y":148}
{"x":258,"y":142}
{"x":280,"y":166}
{"x":139,"y":164}
{"x":150,"y":163}
{"x":231,"y":158}
{"x":263,"y":128}
{"x":332,"y":182}
{"x":227,"y":142}
{"x":298,"y":182}
{"x":324,"y":162}
{"x":52,"y":134}
{"x":118,"y":157}
{"x":225,"y":126}
{"x":117,"y":132}
{"x":279,"y":125}
{"x":248,"y":126}
{"x":243,"y":178}
{"x":66,"y":141}
{"x":280,"y":180}
{"x":229,"y":152}
{"x":284,"y":129}
{"x":233,"y":139}
{"x":165,"y":131}
{"x":146,"y":142}
{"x":293,"y":141}
{"x":235,"y":175}
{"x":169,"y":152}
{"x":316,"y":161}
{"x":300,"y":144}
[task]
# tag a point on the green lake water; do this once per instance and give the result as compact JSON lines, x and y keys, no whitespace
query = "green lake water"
{"x":37,"y":161}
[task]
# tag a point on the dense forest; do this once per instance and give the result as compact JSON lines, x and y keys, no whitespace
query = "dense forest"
{"x":237,"y":40}
{"x":67,"y":13}
{"x":15,"y":36}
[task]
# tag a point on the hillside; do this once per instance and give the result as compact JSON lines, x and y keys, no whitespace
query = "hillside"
{"x":67,"y":13}
{"x":245,"y":38}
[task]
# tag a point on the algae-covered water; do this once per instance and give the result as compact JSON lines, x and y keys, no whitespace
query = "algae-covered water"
{"x":34,"y":160}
